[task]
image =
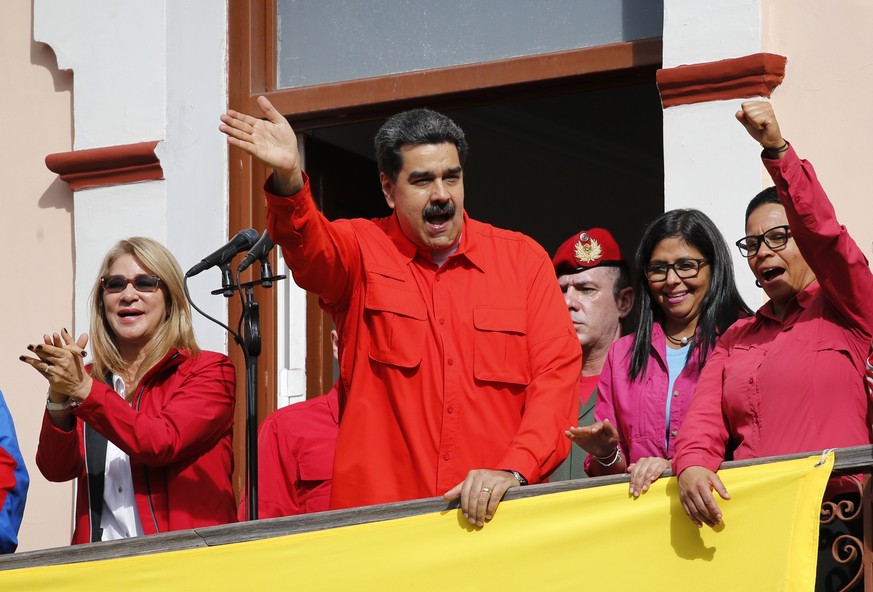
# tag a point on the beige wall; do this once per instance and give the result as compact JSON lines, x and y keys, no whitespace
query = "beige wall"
{"x":36,"y":224}
{"x":824,"y":104}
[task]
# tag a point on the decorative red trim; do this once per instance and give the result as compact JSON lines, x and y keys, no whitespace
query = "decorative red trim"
{"x":749,"y":76}
{"x":102,"y":167}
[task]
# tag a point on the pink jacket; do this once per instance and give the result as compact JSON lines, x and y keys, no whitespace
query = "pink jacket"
{"x":639,"y":408}
{"x":177,"y":434}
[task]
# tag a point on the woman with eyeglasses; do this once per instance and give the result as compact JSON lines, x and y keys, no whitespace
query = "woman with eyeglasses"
{"x":791,"y":378}
{"x":146,"y":427}
{"x":685,"y":299}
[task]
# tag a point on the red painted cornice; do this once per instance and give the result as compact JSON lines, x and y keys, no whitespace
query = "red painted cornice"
{"x":112,"y":165}
{"x":749,"y":76}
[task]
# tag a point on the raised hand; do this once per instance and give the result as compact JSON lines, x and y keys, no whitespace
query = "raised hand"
{"x":271,"y":141}
{"x":759,"y":119}
{"x":60,"y":359}
{"x":599,"y":439}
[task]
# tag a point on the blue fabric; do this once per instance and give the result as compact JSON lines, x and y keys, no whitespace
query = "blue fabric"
{"x":676,"y":360}
{"x":13,"y":506}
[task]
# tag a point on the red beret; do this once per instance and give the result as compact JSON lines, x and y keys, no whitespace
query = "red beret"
{"x":585,"y":250}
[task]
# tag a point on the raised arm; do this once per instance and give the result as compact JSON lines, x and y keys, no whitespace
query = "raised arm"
{"x":836,"y":260}
{"x":270,"y":140}
{"x":760,"y":121}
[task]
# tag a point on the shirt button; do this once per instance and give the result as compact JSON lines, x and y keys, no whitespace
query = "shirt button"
{"x":674,"y":432}
{"x":446,"y":456}
{"x":119,"y":490}
{"x":675,"y":393}
{"x":442,"y":321}
{"x":437,"y":278}
{"x":450,"y":409}
{"x":451,"y":362}
{"x":751,"y":380}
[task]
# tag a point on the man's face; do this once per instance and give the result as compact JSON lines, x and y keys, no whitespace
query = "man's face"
{"x":594,"y":308}
{"x":428,"y":196}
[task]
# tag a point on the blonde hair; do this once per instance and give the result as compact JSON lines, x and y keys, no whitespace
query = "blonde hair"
{"x":177,"y":330}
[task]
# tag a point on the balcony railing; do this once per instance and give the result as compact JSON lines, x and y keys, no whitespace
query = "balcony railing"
{"x":855,"y":553}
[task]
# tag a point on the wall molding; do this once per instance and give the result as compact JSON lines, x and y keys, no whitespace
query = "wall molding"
{"x":103,"y":167}
{"x":754,"y":75}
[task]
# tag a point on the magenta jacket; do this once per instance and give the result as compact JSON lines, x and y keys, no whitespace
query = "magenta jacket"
{"x":639,"y":408}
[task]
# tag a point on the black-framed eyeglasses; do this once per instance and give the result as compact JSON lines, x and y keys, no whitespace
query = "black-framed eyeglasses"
{"x":684,"y":269}
{"x":775,"y":238}
{"x":113,"y":284}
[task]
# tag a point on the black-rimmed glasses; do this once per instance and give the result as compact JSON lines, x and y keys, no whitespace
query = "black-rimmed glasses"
{"x":775,"y":238}
{"x":684,"y":269}
{"x":113,"y":284}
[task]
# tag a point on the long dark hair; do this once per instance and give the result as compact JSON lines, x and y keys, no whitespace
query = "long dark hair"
{"x":722,"y":304}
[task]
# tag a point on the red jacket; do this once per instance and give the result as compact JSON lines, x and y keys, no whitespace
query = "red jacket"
{"x":177,"y":434}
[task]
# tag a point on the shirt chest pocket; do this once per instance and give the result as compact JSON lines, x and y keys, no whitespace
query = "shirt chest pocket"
{"x":741,"y":396}
{"x":397,"y":323}
{"x":314,"y":474}
{"x":500,"y":352}
{"x":315,"y":462}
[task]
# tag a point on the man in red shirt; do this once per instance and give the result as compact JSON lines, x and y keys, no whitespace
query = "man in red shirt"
{"x":458,"y":362}
{"x":596,"y":283}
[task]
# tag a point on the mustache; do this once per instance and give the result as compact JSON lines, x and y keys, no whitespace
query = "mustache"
{"x":446,"y":208}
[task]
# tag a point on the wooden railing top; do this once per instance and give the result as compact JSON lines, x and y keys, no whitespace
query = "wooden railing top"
{"x":847,"y":460}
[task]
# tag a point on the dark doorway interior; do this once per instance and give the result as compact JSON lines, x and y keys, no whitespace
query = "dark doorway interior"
{"x":546,"y":166}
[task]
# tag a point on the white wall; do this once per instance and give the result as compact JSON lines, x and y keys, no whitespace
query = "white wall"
{"x":36,"y":223}
{"x":114,"y":72}
{"x":148,"y":70}
{"x":710,"y":163}
{"x":824,"y":105}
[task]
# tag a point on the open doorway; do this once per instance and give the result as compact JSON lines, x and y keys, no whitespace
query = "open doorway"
{"x":546,"y":166}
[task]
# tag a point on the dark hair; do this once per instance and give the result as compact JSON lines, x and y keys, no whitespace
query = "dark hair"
{"x":722,"y":304}
{"x":768,"y":196}
{"x":621,"y":279}
{"x":415,"y":128}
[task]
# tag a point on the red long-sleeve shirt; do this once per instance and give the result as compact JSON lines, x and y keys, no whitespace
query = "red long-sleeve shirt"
{"x":472,"y":365}
{"x":776,"y":386}
{"x":296,"y":447}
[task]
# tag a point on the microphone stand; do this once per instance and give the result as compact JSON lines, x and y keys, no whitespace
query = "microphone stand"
{"x":251,"y":329}
{"x":251,"y":344}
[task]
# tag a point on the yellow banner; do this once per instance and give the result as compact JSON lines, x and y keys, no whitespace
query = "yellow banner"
{"x":597,"y":538}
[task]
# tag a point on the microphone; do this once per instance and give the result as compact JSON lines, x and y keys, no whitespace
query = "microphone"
{"x":261,"y":249}
{"x":242,"y":240}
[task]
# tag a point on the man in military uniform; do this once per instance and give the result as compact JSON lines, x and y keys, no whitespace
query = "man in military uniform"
{"x":596,"y":284}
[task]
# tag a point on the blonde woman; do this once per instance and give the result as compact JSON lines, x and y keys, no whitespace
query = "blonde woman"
{"x":146,"y":427}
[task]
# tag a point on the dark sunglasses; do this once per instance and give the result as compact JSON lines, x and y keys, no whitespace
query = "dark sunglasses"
{"x":113,"y":284}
